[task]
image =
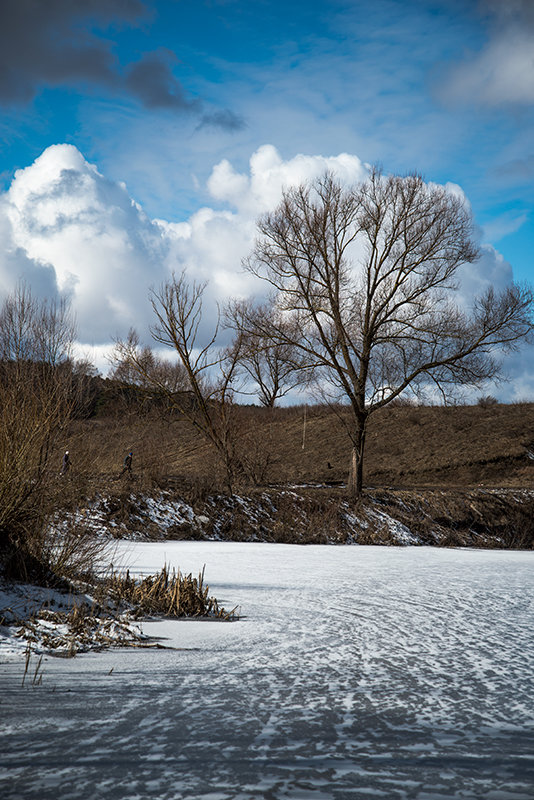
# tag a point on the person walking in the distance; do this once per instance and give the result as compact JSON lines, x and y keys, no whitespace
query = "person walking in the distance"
{"x":65,"y":466}
{"x":127,"y":466}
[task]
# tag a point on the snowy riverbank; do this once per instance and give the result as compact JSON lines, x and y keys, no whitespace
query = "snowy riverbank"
{"x":476,"y":517}
{"x":354,"y":673}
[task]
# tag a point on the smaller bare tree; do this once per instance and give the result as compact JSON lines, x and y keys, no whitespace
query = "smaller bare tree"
{"x":148,"y":370}
{"x":209,"y":372}
{"x":273,"y":366}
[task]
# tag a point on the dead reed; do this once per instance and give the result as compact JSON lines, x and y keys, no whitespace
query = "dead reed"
{"x":37,"y":679}
{"x":170,"y":593}
{"x":82,"y":628}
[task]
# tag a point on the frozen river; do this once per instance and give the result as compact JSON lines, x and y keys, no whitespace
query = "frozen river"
{"x":355,"y":672}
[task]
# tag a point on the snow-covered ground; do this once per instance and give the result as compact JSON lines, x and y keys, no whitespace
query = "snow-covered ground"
{"x":355,"y":672}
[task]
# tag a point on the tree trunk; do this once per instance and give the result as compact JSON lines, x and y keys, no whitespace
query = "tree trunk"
{"x":355,"y":481}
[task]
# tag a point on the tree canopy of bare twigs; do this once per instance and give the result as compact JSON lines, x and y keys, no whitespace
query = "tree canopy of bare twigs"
{"x":364,"y":279}
{"x":137,"y":365}
{"x":272,"y":366}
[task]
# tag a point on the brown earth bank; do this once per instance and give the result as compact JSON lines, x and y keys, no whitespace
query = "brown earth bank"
{"x":449,"y":476}
{"x":483,"y":518}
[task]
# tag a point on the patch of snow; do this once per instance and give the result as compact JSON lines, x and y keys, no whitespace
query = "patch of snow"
{"x":355,"y":672}
{"x":143,"y":517}
{"x":37,"y":619}
{"x":399,"y":532}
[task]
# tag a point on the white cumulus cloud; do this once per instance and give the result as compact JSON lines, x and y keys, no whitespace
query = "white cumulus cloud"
{"x":103,"y":249}
{"x":66,"y":229}
{"x":261,"y":190}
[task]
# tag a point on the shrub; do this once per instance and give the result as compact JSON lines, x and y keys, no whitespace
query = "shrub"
{"x":37,"y":396}
{"x":487,"y":401}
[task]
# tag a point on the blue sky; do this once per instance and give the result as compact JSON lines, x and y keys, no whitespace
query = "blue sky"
{"x":156,"y":93}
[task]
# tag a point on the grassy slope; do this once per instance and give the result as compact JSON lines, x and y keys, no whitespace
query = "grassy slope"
{"x":406,"y":447}
{"x":429,"y":468}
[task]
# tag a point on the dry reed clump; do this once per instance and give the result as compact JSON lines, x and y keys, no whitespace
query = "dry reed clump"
{"x":82,"y":628}
{"x":108,"y":620}
{"x":168,"y":593}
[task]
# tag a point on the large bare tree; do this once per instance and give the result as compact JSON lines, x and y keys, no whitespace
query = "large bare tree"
{"x":366,"y":276}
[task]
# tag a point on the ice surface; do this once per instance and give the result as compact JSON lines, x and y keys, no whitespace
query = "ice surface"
{"x":355,"y":672}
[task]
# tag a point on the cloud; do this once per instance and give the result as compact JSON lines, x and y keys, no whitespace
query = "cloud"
{"x":16,"y":266}
{"x":517,"y":170}
{"x":103,"y":249}
{"x":504,"y":225}
{"x":223,"y":118}
{"x":510,"y":10}
{"x":269,"y":174}
{"x":46,"y":44}
{"x":502,"y":72}
{"x":152,"y":81}
{"x":53,"y":44}
{"x":68,"y":230}
{"x":491,"y":270}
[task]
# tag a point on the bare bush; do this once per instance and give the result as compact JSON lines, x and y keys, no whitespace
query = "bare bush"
{"x":487,"y":402}
{"x":74,"y":552}
{"x":256,"y":456}
{"x":36,"y":401}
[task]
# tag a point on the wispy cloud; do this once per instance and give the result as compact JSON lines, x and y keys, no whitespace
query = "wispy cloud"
{"x":504,"y":225}
{"x":501,"y":72}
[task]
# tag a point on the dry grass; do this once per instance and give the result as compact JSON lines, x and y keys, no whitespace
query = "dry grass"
{"x":406,"y":447}
{"x":413,"y":454}
{"x":169,"y":593}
